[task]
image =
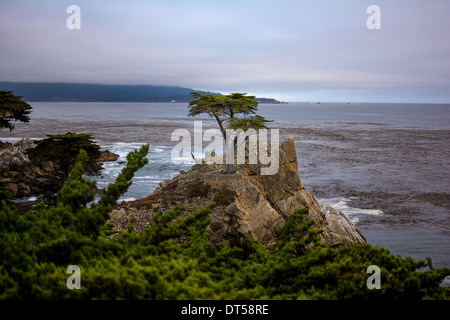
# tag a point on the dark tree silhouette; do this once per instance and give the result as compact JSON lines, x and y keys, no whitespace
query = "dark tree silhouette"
{"x":12,"y":108}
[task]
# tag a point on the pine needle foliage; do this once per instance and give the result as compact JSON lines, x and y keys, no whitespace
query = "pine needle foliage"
{"x":63,"y":150}
{"x":12,"y":108}
{"x":233,"y":111}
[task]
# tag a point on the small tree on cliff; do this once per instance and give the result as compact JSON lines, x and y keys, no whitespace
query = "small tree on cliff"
{"x":63,"y":149}
{"x":234,"y":111}
{"x":12,"y":108}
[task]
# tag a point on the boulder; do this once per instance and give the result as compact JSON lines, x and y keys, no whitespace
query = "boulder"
{"x":107,"y":155}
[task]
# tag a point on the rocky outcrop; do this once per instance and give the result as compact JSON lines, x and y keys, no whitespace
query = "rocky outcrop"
{"x":107,"y":155}
{"x":25,"y":177}
{"x":247,"y":203}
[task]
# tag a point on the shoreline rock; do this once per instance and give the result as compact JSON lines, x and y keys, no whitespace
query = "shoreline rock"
{"x":26,"y":178}
{"x":108,"y":156}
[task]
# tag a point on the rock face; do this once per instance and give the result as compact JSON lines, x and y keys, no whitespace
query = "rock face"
{"x":108,"y":156}
{"x":248,"y":203}
{"x":24,"y":177}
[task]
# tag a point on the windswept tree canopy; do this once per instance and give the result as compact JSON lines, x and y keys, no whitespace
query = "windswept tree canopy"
{"x":234,"y":111}
{"x":12,"y":108}
{"x":63,"y":150}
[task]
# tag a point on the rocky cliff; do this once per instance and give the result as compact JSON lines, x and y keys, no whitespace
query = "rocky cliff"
{"x":247,"y":203}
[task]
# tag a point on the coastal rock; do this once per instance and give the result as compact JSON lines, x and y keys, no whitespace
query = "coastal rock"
{"x":21,"y":175}
{"x":5,"y":145}
{"x":247,"y":203}
{"x":107,"y":155}
{"x":25,"y":177}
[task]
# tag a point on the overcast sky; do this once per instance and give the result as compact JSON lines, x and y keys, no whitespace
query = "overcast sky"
{"x":291,"y":50}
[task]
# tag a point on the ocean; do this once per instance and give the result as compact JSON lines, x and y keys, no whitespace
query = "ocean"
{"x":386,"y":166}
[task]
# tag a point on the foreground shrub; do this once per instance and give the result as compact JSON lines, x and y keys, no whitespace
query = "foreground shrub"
{"x":37,"y":248}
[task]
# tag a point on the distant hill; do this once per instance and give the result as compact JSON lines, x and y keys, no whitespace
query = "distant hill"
{"x":34,"y":91}
{"x":269,"y":100}
{"x":97,"y":92}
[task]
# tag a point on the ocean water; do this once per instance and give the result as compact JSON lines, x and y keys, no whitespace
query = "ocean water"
{"x":414,"y":115}
{"x":384,"y":165}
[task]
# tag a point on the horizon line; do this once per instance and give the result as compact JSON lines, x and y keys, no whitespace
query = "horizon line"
{"x":207,"y":90}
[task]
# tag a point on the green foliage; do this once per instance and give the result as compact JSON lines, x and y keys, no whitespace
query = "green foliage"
{"x":63,"y":150}
{"x":235,"y":110}
{"x":130,"y":226}
{"x":296,"y":235}
{"x":4,"y":195}
{"x":254,"y":122}
{"x":172,"y":258}
{"x":12,"y":108}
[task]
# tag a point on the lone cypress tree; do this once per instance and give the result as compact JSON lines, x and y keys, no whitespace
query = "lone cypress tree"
{"x":234,"y":111}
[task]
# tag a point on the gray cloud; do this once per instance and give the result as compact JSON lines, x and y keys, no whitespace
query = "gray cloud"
{"x":293,"y":50}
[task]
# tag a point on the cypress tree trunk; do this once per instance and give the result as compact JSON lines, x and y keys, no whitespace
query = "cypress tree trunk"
{"x":222,"y":129}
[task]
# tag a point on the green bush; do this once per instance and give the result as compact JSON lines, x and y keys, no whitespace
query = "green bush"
{"x":37,"y":248}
